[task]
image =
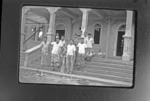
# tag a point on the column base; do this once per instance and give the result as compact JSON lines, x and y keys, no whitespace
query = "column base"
{"x":126,"y":57}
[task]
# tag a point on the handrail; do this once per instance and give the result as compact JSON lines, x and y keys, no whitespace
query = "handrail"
{"x":33,"y":49}
{"x":29,"y":38}
{"x":30,"y":51}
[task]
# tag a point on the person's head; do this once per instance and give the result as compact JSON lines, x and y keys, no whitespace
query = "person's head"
{"x":89,"y":35}
{"x":45,"y":38}
{"x":71,"y":42}
{"x":57,"y":34}
{"x":82,"y":40}
{"x":57,"y":40}
{"x":62,"y":38}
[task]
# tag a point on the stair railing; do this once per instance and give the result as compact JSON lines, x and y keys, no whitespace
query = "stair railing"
{"x":29,"y":38}
{"x":29,"y":51}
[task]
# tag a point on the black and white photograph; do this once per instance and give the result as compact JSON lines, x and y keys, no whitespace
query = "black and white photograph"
{"x":77,"y":46}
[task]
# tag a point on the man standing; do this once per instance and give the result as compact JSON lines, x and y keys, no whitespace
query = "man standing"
{"x":81,"y":52}
{"x":89,"y":42}
{"x":70,"y":56}
{"x":55,"y":59}
{"x":44,"y":51}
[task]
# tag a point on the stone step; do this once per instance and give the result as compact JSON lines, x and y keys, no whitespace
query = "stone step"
{"x":108,"y":65}
{"x":114,"y":73}
{"x":98,"y":69}
{"x":104,"y":76}
{"x":111,"y":61}
{"x":93,"y":73}
{"x":83,"y":79}
{"x":119,"y":70}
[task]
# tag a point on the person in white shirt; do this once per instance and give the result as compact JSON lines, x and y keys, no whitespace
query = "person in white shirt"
{"x":81,"y":52}
{"x":89,"y":42}
{"x":40,"y":34}
{"x":63,"y":47}
{"x":62,"y":41}
{"x":70,"y":55}
{"x":45,"y":45}
{"x":55,"y":59}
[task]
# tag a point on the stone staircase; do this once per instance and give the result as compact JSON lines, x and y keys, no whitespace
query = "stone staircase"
{"x":108,"y":69}
{"x":33,"y":58}
{"x":98,"y":67}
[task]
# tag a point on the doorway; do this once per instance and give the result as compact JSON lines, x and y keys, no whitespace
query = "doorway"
{"x":120,"y":40}
{"x":120,"y":43}
{"x":97,"y":32}
{"x":60,"y":33}
{"x":97,"y":35}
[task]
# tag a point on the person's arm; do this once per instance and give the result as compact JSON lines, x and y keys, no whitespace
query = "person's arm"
{"x":85,"y":45}
{"x":74,"y":50}
{"x":92,"y":41}
{"x":52,"y":43}
{"x":78,"y":45}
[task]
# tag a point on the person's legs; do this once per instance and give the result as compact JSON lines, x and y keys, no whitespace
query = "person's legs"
{"x":72,"y":63}
{"x":52,"y":60}
{"x":79,"y":61}
{"x":55,"y":59}
{"x":75,"y":58}
{"x":67,"y":64}
{"x":82,"y":60}
{"x":42,"y":59}
{"x":63,"y":65}
{"x":91,"y":51}
{"x":57,"y":62}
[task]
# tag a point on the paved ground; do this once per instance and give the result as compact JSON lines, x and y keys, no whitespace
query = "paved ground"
{"x":29,"y":76}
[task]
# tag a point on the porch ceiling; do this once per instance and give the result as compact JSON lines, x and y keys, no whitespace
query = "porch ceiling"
{"x":75,"y":13}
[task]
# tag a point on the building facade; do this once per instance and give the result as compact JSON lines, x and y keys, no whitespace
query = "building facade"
{"x":112,"y":30}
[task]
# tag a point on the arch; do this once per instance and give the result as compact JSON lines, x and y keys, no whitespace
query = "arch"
{"x":97,"y":33}
{"x":122,"y":27}
{"x":60,"y":26}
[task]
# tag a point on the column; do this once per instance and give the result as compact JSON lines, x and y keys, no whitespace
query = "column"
{"x":84,"y":20}
{"x":108,"y":35}
{"x":51,"y":29}
{"x":23,"y":16}
{"x":24,"y":11}
{"x":128,"y":37}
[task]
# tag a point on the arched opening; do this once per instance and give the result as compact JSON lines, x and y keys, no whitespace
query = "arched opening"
{"x":60,"y":30}
{"x":120,"y":40}
{"x":97,"y":32}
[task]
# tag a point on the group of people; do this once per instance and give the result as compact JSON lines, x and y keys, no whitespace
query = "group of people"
{"x":64,"y":55}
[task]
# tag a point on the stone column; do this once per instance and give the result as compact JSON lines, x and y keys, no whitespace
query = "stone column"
{"x":84,"y":20}
{"x":108,"y":35}
{"x":128,"y":37}
{"x":24,"y":11}
{"x":23,"y":16}
{"x":51,"y":29}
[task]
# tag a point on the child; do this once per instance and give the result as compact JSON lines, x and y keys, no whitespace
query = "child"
{"x":76,"y":41}
{"x":62,"y":41}
{"x":55,"y":54}
{"x":44,"y":50}
{"x":89,"y":42}
{"x":81,"y":52}
{"x":63,"y":58}
{"x":70,"y":57}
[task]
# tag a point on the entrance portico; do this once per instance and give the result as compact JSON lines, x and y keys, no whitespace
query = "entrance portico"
{"x":88,"y":19}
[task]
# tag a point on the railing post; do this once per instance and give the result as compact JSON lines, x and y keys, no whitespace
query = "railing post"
{"x":26,"y":59}
{"x":42,"y":59}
